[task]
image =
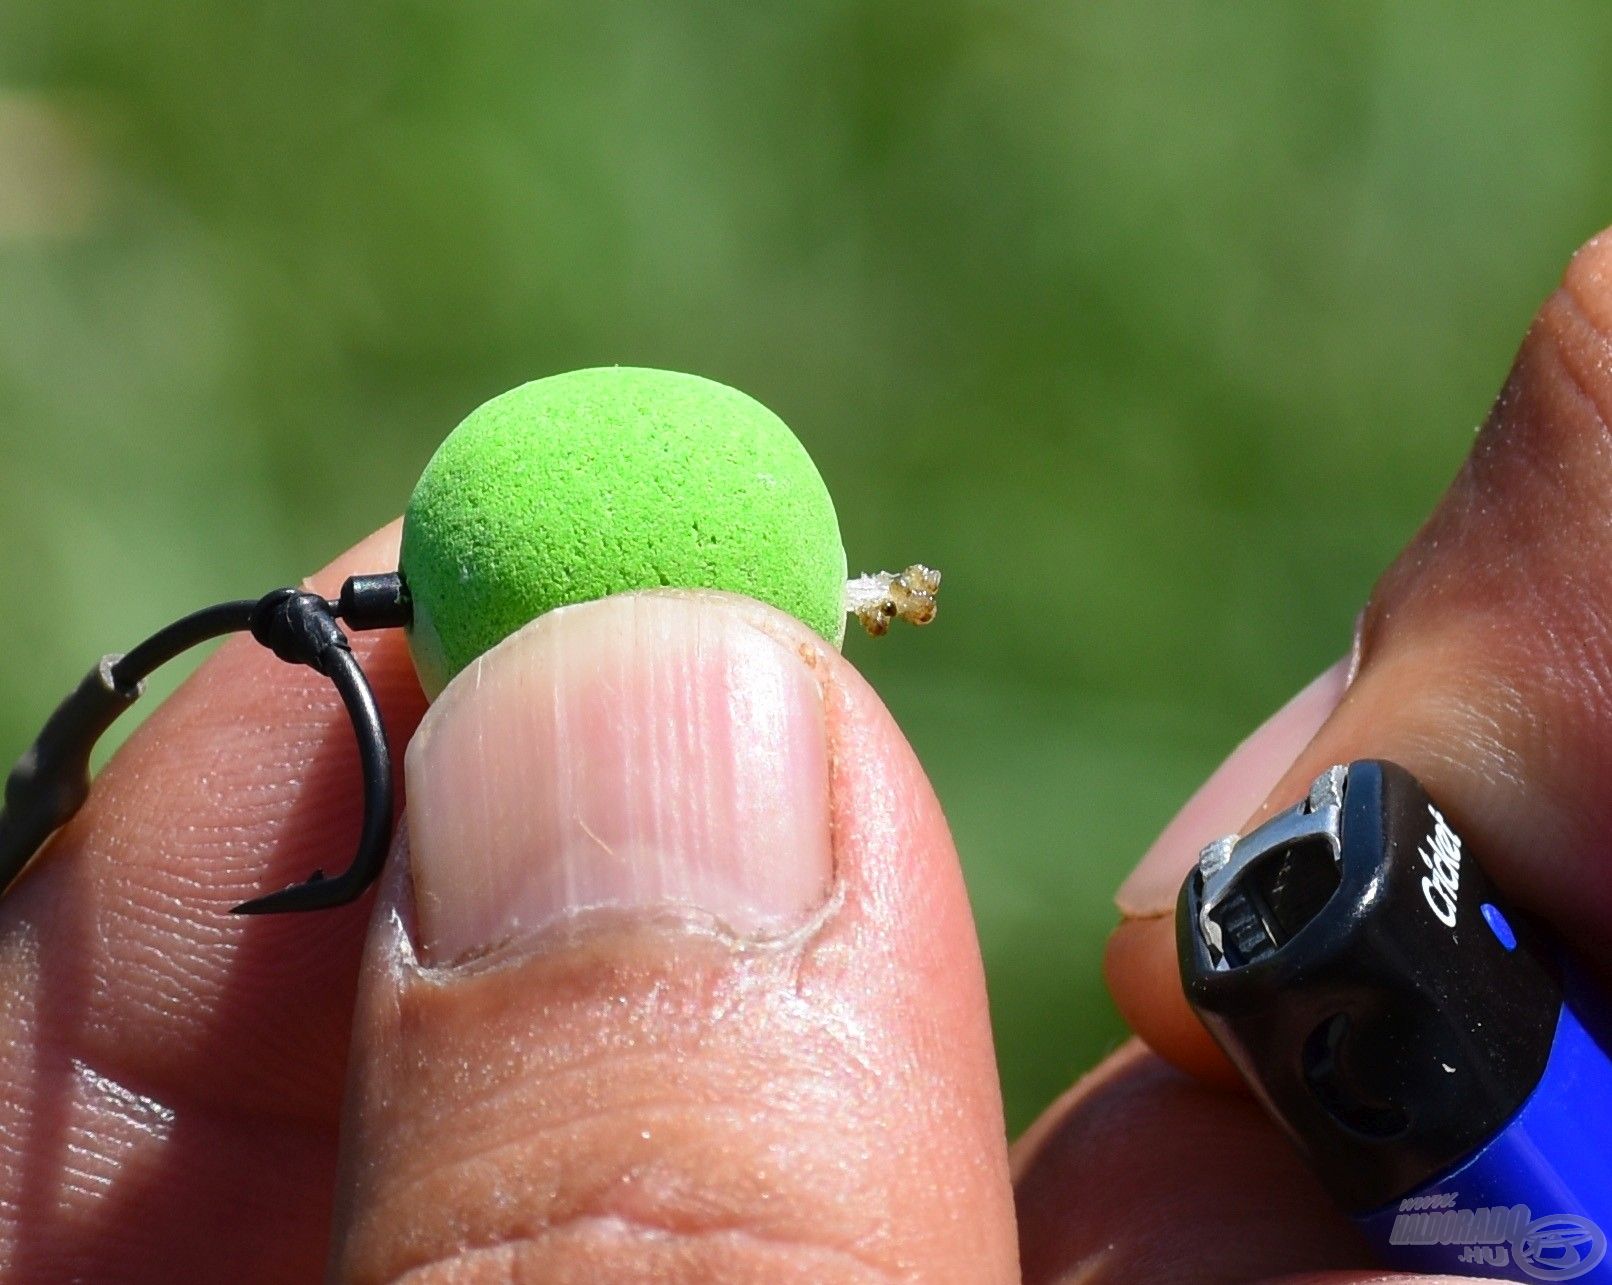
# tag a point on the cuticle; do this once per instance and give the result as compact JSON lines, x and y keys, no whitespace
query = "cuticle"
{"x":567,"y":931}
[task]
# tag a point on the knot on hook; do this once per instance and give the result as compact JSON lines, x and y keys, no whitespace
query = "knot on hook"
{"x":298,"y":627}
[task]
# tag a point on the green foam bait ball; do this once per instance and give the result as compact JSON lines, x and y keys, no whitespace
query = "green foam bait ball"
{"x":601,"y":481}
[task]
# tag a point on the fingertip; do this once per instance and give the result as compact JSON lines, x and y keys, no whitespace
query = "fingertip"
{"x":1139,"y":965}
{"x":1231,"y":793}
{"x":376,"y":553}
{"x":1589,"y":273}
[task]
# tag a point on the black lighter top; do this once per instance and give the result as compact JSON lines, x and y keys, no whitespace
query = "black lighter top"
{"x":1358,"y":967}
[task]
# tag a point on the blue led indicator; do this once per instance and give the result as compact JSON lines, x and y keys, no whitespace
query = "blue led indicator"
{"x":1498,"y":925}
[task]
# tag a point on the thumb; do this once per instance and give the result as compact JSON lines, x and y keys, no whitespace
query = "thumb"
{"x":677,"y":979}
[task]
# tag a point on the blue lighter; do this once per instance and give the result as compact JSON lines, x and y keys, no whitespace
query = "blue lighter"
{"x":1445,"y":1073}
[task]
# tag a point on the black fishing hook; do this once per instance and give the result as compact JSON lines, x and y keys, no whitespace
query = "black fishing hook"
{"x":52,"y":779}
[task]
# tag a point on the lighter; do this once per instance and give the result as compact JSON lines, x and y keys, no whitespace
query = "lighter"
{"x":1442,"y":1068}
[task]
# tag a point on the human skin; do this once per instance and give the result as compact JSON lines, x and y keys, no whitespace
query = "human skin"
{"x":511,"y":1062}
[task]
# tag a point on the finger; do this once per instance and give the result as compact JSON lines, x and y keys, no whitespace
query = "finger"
{"x":684,"y":984}
{"x":170,"y":1075}
{"x":1141,"y":1173}
{"x":1484,"y":666}
{"x":1134,"y":964}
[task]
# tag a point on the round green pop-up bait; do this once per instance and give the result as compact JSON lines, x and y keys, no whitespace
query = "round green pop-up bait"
{"x":601,"y":481}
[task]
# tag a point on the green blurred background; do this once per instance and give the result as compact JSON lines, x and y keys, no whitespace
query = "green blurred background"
{"x":1157,"y":329}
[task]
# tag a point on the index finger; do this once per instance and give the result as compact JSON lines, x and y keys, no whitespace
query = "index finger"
{"x":170,"y":1074}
